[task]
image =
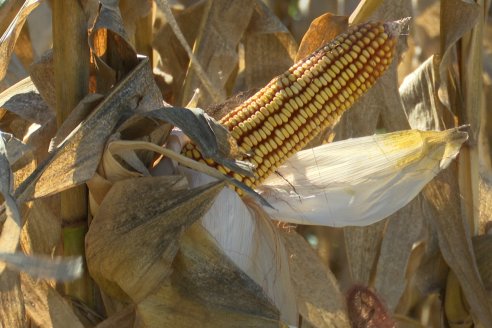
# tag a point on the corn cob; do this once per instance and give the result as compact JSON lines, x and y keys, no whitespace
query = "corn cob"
{"x":294,"y":107}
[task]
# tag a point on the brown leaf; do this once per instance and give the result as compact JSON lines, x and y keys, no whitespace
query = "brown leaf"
{"x":12,"y":310}
{"x":45,"y":306}
{"x":318,"y":294}
{"x":442,"y":195}
{"x":43,"y":76}
{"x":269,"y":47}
{"x":207,"y":290}
{"x":404,"y":228}
{"x":122,"y":319}
{"x":174,"y":58}
{"x":9,"y":37}
{"x":215,"y":48}
{"x":362,"y":244}
{"x":76,"y":160}
{"x":322,"y":30}
{"x":134,"y":237}
{"x":109,"y":41}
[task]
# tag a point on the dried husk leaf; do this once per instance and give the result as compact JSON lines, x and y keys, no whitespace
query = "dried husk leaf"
{"x":246,"y":236}
{"x":220,"y":31}
{"x":207,"y":290}
{"x":9,"y":37}
{"x":322,"y":30}
{"x":76,"y":160}
{"x":482,"y":246}
{"x":45,"y":306}
{"x":363,"y":179}
{"x":269,"y":47}
{"x":319,"y":298}
{"x":134,"y":237}
{"x":364,"y":11}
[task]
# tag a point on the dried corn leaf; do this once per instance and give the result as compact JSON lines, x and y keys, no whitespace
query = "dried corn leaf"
{"x":110,"y":42}
{"x":134,"y":237}
{"x":14,"y":148}
{"x":269,"y":47}
{"x":482,"y":246}
{"x":9,"y":37}
{"x":319,"y":297}
{"x":174,"y":58}
{"x":42,"y":75}
{"x":12,"y":311}
{"x":442,"y":195}
{"x":206,"y":290}
{"x":45,"y":306}
{"x":122,"y":319}
{"x":132,"y":11}
{"x":359,"y":181}
{"x":11,"y":229}
{"x":404,"y":228}
{"x":322,"y":30}
{"x":215,"y":48}
{"x":76,"y":159}
{"x":41,"y":233}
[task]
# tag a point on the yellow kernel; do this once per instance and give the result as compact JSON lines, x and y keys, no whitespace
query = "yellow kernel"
{"x":324,"y":94}
{"x":299,"y":101}
{"x":371,"y":50}
{"x":292,"y":77}
{"x":283,"y":117}
{"x":289,"y":129}
{"x":335,"y":69}
{"x":236,"y":132}
{"x":310,"y":92}
{"x":360,"y":64}
{"x":317,"y":105}
{"x":345,"y":76}
{"x":323,"y":81}
{"x":209,"y":161}
{"x":277,"y":118}
{"x":291,"y":106}
{"x":331,"y":73}
{"x":279,"y":134}
{"x":297,"y":121}
{"x":247,"y":141}
{"x":342,"y":81}
{"x":318,"y":83}
{"x":352,"y":86}
{"x":365,"y":53}
{"x":333,"y":88}
{"x":350,"y":74}
{"x":337,"y":85}
{"x":327,"y":77}
{"x":302,"y":82}
{"x":304,"y":99}
{"x":350,"y":56}
{"x":294,"y":89}
{"x":257,"y":136}
{"x":366,"y":40}
{"x":332,"y":107}
{"x":319,"y":98}
{"x":272,"y":122}
{"x":196,"y":154}
{"x":312,"y":108}
{"x":343,"y":61}
{"x":268,"y":147}
{"x":221,"y":169}
{"x":285,"y":81}
{"x":381,"y":40}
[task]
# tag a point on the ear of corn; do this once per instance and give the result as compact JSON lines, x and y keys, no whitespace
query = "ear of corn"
{"x":294,"y":107}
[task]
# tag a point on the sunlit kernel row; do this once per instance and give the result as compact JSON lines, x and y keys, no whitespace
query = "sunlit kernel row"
{"x":293,"y":108}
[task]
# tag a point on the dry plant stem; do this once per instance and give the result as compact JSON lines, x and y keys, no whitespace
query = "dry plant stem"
{"x":164,"y":6}
{"x":71,"y":65}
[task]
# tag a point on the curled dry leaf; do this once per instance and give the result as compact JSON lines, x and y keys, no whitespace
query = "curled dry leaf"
{"x":12,"y":310}
{"x":9,"y":37}
{"x":45,"y":306}
{"x":359,"y":181}
{"x":76,"y":159}
{"x":134,"y":237}
{"x":207,"y":290}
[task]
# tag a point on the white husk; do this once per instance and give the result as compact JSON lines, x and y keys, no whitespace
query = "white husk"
{"x":359,"y":181}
